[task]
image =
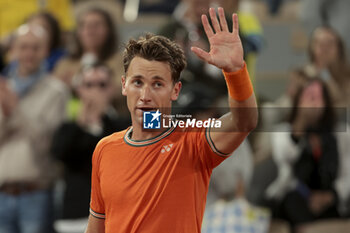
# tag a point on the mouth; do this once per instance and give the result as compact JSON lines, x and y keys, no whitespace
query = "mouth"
{"x":147,"y":109}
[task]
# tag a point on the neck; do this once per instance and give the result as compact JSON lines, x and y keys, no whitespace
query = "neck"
{"x":139,"y":134}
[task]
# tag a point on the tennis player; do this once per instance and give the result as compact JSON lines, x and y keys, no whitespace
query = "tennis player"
{"x":156,"y":181}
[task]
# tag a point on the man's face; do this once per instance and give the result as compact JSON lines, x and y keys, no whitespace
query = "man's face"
{"x":148,"y":86}
{"x":30,"y":50}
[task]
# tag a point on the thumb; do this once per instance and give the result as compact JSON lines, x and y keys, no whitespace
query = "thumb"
{"x":201,"y":54}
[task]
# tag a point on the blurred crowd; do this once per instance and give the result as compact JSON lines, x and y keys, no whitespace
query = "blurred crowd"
{"x":60,"y":93}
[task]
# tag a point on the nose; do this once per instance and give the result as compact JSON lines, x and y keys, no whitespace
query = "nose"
{"x":145,"y":94}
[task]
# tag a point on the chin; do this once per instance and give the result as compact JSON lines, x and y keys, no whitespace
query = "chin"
{"x":137,"y":119}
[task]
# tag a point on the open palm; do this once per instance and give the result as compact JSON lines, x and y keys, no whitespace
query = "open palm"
{"x":226,"y":51}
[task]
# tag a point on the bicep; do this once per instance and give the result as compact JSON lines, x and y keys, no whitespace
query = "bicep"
{"x":235,"y":125}
{"x":95,"y":225}
{"x":226,"y":139}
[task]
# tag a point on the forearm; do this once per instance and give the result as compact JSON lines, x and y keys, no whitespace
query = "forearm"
{"x":242,"y":103}
{"x":243,"y":115}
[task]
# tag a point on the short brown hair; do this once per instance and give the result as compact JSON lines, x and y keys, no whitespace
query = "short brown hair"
{"x":158,"y":48}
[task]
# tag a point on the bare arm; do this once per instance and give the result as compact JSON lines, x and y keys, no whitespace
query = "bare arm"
{"x":236,"y":125}
{"x":226,"y":53}
{"x":95,"y":225}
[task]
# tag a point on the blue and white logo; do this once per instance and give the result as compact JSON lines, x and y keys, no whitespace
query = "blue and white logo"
{"x":151,"y":120}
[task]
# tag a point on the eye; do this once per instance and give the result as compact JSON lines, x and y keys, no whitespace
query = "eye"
{"x":158,"y":84}
{"x":137,"y":82}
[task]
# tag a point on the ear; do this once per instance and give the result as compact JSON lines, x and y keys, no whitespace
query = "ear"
{"x":123,"y":85}
{"x":176,"y":91}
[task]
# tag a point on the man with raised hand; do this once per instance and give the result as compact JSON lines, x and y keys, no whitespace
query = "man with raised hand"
{"x":157,"y":180}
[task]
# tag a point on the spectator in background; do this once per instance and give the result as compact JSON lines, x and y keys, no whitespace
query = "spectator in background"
{"x":96,"y":41}
{"x":328,"y":61}
{"x":51,"y":25}
{"x":31,"y":107}
{"x":334,"y":13}
{"x":54,"y":50}
{"x":309,"y":157}
{"x":75,"y":140}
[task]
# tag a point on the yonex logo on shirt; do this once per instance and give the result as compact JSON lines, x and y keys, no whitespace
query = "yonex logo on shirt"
{"x":166,"y":148}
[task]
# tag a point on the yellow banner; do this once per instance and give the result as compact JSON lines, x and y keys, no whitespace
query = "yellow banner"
{"x":14,"y":12}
